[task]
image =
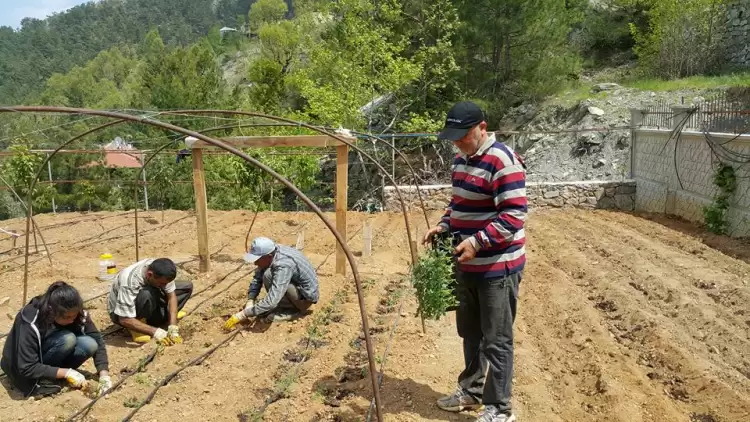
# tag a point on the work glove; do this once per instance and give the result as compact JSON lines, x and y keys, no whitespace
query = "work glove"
{"x":162,"y":337}
{"x":173,"y":333}
{"x":105,"y":383}
{"x":250,"y":304}
{"x":75,"y":378}
{"x":234,"y":320}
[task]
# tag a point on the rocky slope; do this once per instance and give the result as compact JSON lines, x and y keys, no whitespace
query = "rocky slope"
{"x":585,"y":155}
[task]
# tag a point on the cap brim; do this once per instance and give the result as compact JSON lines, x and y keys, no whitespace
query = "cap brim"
{"x":452,"y":134}
{"x":250,"y":258}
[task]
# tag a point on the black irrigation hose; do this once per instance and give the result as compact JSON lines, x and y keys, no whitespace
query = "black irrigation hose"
{"x":341,"y":241}
{"x":141,"y":364}
{"x":385,"y":353}
{"x":169,"y":377}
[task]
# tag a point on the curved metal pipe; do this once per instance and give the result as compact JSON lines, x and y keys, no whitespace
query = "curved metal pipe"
{"x":36,"y":226}
{"x":162,"y":148}
{"x":411,"y":168}
{"x":412,"y":247}
{"x":29,"y":198}
{"x":280,"y":178}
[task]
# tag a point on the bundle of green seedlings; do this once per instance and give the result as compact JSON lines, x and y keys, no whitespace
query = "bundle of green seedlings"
{"x":434,"y":280}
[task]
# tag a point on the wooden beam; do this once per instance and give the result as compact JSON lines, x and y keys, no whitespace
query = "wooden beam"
{"x":201,"y":209}
{"x":342,"y":186}
{"x":319,"y":141}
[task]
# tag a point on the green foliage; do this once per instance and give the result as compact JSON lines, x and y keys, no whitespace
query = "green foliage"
{"x":433,"y":278}
{"x":715,"y":215}
{"x":515,"y":50}
{"x":20,"y":169}
{"x":683,"y":37}
{"x":40,"y":48}
{"x":266,"y":11}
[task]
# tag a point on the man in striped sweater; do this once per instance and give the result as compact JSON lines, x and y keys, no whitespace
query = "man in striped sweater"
{"x":488,"y":210}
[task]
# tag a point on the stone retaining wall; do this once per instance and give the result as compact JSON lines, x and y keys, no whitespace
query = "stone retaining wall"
{"x":590,"y":194}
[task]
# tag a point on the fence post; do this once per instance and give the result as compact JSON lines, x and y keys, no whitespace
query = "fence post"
{"x":636,"y":121}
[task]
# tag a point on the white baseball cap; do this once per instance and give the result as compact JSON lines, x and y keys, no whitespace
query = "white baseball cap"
{"x":260,"y":247}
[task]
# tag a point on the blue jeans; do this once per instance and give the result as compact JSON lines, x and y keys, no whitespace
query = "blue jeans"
{"x":64,"y":349}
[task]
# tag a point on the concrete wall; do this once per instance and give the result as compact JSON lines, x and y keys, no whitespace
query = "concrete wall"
{"x":738,"y":33}
{"x":592,"y":194}
{"x":656,"y":168}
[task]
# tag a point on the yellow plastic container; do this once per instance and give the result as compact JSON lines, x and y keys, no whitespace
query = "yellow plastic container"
{"x":107,"y":267}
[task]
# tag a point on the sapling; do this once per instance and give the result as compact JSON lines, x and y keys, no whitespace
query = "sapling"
{"x":434,"y":280}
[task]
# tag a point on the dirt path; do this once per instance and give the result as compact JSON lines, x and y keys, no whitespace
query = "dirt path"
{"x":620,"y":319}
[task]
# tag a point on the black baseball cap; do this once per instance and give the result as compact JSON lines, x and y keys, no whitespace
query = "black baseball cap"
{"x":461,"y":117}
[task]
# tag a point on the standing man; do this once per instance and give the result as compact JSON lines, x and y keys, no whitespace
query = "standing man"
{"x":144,"y":297}
{"x":488,"y":209}
{"x":288,"y":277}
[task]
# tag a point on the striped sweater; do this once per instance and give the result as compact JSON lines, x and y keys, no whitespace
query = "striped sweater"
{"x":489,"y":204}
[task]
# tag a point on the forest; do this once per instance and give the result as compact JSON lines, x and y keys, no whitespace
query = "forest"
{"x":378,"y":67}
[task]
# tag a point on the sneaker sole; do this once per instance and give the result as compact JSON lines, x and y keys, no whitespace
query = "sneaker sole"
{"x":461,"y":408}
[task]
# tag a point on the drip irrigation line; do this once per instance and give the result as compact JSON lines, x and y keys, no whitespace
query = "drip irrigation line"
{"x":169,"y":377}
{"x":341,"y":240}
{"x":385,"y":353}
{"x":141,"y":365}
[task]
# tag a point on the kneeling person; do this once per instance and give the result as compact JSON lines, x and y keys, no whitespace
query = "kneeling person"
{"x":144,"y":297}
{"x":288,"y":277}
{"x":51,"y":337}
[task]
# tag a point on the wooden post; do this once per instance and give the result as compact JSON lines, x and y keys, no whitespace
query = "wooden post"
{"x":342,"y":186}
{"x":300,"y":241}
{"x":367,"y":236}
{"x":201,"y":209}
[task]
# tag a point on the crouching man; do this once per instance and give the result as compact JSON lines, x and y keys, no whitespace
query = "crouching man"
{"x":144,"y":298}
{"x":289,"y":278}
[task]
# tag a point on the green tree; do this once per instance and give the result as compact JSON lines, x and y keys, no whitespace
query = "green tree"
{"x":514,"y":50}
{"x":266,"y":11}
{"x":683,"y":37}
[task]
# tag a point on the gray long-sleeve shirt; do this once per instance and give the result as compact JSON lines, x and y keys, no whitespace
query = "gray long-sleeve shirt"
{"x":288,"y":266}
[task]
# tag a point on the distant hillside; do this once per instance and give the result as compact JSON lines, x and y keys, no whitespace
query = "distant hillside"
{"x":55,"y":45}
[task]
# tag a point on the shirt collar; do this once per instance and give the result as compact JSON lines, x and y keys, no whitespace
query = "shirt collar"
{"x":482,"y":148}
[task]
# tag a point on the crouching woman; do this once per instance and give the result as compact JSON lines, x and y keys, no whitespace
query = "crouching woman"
{"x":51,"y":337}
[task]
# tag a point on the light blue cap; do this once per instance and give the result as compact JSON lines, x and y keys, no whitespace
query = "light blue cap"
{"x":260,"y":247}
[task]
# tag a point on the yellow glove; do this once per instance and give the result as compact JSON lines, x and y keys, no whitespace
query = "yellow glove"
{"x":162,"y":338}
{"x":173,"y":333}
{"x":75,"y":378}
{"x":234,"y":320}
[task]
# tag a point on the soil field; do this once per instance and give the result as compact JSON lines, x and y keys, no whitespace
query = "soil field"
{"x":621,"y":318}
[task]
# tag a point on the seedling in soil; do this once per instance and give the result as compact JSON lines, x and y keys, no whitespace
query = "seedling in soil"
{"x":132,"y":402}
{"x":142,"y":379}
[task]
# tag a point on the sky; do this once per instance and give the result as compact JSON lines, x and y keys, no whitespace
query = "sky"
{"x":12,"y":11}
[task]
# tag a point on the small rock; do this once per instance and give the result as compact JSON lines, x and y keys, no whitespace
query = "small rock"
{"x":596,"y":111}
{"x":602,"y":385}
{"x":551,"y":194}
{"x":599,"y":163}
{"x":4,"y":300}
{"x":606,"y":86}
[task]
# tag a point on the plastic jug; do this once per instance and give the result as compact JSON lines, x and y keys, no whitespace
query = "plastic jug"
{"x":107,"y":267}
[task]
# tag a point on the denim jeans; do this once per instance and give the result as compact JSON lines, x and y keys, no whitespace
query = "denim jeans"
{"x":484,"y":318}
{"x":64,"y":349}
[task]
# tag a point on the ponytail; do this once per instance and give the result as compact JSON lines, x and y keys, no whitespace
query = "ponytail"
{"x":59,"y":299}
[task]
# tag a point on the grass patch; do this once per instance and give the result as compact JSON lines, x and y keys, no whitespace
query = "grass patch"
{"x":693,"y":82}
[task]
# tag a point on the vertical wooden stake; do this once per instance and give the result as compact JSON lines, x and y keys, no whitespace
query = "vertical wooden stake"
{"x":367,"y":236}
{"x":201,"y":209}
{"x":342,"y":186}
{"x":300,"y":241}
